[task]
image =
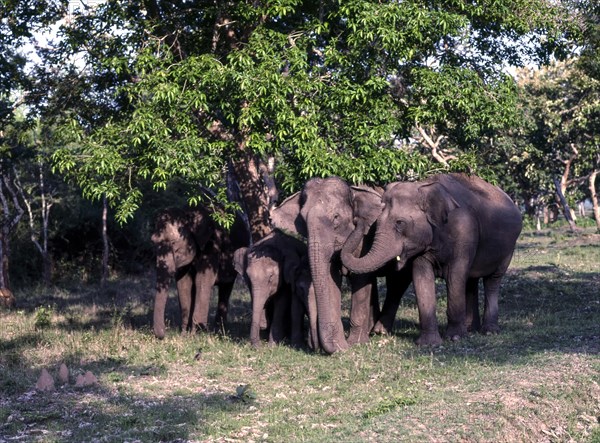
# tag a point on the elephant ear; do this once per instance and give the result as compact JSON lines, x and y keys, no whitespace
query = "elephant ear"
{"x":240,"y":260}
{"x":287,"y":218}
{"x":436,"y":201}
{"x":366,"y":204}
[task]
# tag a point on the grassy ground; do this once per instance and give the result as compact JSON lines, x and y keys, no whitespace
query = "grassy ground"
{"x":536,"y":381}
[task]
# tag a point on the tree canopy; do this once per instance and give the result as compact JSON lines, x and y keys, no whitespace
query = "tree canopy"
{"x":152,"y":91}
{"x":145,"y":103}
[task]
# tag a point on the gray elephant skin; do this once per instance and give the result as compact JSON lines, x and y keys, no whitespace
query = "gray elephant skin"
{"x":454,"y":226}
{"x":198,"y":254}
{"x":325,"y":212}
{"x":276,"y":272}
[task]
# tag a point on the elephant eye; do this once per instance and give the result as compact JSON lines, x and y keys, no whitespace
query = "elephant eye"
{"x":401,"y":226}
{"x":336,"y":220}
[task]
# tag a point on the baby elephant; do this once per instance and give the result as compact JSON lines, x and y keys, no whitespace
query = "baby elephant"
{"x":275,"y":269}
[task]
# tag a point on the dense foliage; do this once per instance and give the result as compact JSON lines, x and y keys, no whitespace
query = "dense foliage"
{"x":333,"y":88}
{"x":230,"y":103}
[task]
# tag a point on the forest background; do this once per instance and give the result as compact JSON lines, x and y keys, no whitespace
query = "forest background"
{"x":113,"y":110}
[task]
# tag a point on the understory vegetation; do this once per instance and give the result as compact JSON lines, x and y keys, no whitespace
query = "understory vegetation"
{"x":536,"y":381}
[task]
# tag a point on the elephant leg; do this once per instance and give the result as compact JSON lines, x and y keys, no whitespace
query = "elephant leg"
{"x":375,"y":311}
{"x":424,"y":282}
{"x":397,"y":283}
{"x":311,"y":309}
{"x":185,"y":284}
{"x":165,"y":274}
{"x":491,"y":288}
{"x":281,"y":319}
{"x":472,"y":320}
{"x":297,"y":321}
{"x":225,"y":290}
{"x":205,"y":280}
{"x":360,"y":310}
{"x":456,"y":284}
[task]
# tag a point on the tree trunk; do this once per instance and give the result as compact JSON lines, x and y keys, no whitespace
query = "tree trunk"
{"x":105,"y":245}
{"x":565,"y":205}
{"x":7,"y":224}
{"x":594,"y":197}
{"x":4,"y":283}
{"x":255,"y":195}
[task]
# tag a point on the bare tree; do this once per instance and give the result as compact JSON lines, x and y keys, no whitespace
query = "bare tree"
{"x":39,"y":236}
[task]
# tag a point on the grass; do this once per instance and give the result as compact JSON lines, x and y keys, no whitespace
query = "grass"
{"x":536,"y":381}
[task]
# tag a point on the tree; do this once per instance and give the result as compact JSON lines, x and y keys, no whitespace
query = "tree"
{"x":204,"y":91}
{"x":12,"y":212}
{"x":18,"y":21}
{"x":561,"y":102}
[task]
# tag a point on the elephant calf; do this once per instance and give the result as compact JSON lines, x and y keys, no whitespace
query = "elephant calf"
{"x":198,"y":254}
{"x":276,"y":269}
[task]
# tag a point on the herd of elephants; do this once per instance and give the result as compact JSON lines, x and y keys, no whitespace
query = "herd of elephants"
{"x":452,"y":226}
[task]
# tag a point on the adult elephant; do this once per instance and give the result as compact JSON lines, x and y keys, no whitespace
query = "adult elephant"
{"x":192,"y":249}
{"x":273,"y":269}
{"x":454,"y":226}
{"x":325,"y":212}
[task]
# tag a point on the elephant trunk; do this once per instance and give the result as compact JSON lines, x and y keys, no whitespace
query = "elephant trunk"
{"x":258,"y":307}
{"x":312,"y":318}
{"x":378,"y":255}
{"x":330,"y":327}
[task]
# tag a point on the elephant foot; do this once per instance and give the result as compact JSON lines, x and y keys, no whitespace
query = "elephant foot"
{"x":220,"y":329}
{"x":456,"y":332}
{"x":473,"y":328}
{"x":197,"y":328}
{"x":489,"y":329}
{"x":381,"y":329}
{"x":429,"y":339}
{"x":357,"y":337}
{"x":336,"y":346}
{"x":297,"y":342}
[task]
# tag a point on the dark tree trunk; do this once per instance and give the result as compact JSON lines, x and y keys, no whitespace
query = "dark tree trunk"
{"x":255,"y":195}
{"x":11,"y":215}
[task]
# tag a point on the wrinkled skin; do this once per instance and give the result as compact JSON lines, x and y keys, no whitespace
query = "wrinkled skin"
{"x":194,"y":251}
{"x":453,"y":226}
{"x":325,"y":212}
{"x":272,"y":269}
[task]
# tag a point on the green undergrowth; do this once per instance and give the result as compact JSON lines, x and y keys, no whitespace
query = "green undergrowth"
{"x":536,"y":381}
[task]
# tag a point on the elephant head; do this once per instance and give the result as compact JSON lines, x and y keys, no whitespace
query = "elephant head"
{"x":177,"y":237}
{"x":406,"y":226}
{"x":325,"y":212}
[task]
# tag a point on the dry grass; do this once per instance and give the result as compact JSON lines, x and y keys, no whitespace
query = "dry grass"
{"x":537,"y":381}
